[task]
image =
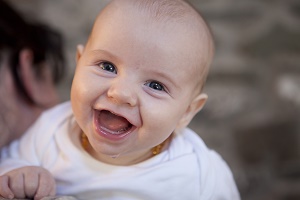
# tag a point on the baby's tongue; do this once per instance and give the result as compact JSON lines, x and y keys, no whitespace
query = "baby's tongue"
{"x":113,"y":122}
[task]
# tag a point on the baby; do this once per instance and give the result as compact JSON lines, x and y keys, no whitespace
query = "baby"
{"x":124,"y":135}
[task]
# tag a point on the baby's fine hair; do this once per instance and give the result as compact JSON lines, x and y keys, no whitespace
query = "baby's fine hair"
{"x":164,"y":9}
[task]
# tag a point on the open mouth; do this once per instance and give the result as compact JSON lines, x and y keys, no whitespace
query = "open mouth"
{"x":110,"y":123}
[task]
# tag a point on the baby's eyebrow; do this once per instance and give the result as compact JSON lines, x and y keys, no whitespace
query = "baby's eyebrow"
{"x":166,"y":77}
{"x":108,"y":55}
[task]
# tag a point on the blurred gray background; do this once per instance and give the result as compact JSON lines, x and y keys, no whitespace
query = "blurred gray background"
{"x":252,"y":117}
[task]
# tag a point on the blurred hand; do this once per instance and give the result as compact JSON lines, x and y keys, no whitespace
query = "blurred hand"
{"x":27,"y":182}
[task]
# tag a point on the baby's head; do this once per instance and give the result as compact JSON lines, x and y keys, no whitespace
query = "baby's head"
{"x":140,"y":76}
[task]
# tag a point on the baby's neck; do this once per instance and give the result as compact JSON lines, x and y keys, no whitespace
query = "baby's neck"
{"x":121,"y":160}
{"x":128,"y":159}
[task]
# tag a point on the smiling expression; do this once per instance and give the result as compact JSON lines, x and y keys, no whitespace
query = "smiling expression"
{"x":134,"y":84}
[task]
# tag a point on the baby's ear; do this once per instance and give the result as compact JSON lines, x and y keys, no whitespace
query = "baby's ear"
{"x":195,"y":106}
{"x":79,"y":52}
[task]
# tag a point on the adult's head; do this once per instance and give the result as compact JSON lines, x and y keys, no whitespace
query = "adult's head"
{"x":31,"y":63}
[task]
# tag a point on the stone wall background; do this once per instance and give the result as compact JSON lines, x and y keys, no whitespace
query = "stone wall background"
{"x":252,"y":117}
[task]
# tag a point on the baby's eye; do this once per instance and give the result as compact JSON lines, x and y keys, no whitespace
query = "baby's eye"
{"x":155,"y":85}
{"x":107,"y":66}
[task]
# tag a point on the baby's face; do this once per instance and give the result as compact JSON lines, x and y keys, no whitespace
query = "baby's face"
{"x":133,"y":85}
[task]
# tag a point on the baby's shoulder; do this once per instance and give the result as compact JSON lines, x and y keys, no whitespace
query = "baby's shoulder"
{"x":216,"y":178}
{"x":205,"y":155}
{"x":49,"y":121}
{"x":189,"y":141}
{"x":59,"y":111}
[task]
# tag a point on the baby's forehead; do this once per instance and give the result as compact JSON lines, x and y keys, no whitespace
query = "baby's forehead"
{"x":163,"y":13}
{"x":158,"y":10}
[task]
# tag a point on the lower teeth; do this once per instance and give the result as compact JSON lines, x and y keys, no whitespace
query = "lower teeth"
{"x":123,"y":130}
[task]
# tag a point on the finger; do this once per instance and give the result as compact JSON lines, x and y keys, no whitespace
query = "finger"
{"x":32,"y":182}
{"x":46,"y":186}
{"x":16,"y":184}
{"x":4,"y":188}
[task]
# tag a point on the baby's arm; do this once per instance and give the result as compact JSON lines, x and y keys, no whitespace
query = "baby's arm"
{"x":27,"y":182}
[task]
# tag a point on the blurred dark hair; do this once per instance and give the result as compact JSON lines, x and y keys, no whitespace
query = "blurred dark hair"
{"x":45,"y":43}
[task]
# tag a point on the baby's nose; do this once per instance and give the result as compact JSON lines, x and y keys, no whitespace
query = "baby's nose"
{"x":122,"y":91}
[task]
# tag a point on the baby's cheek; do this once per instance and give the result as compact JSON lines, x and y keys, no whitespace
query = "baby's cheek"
{"x":163,"y":121}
